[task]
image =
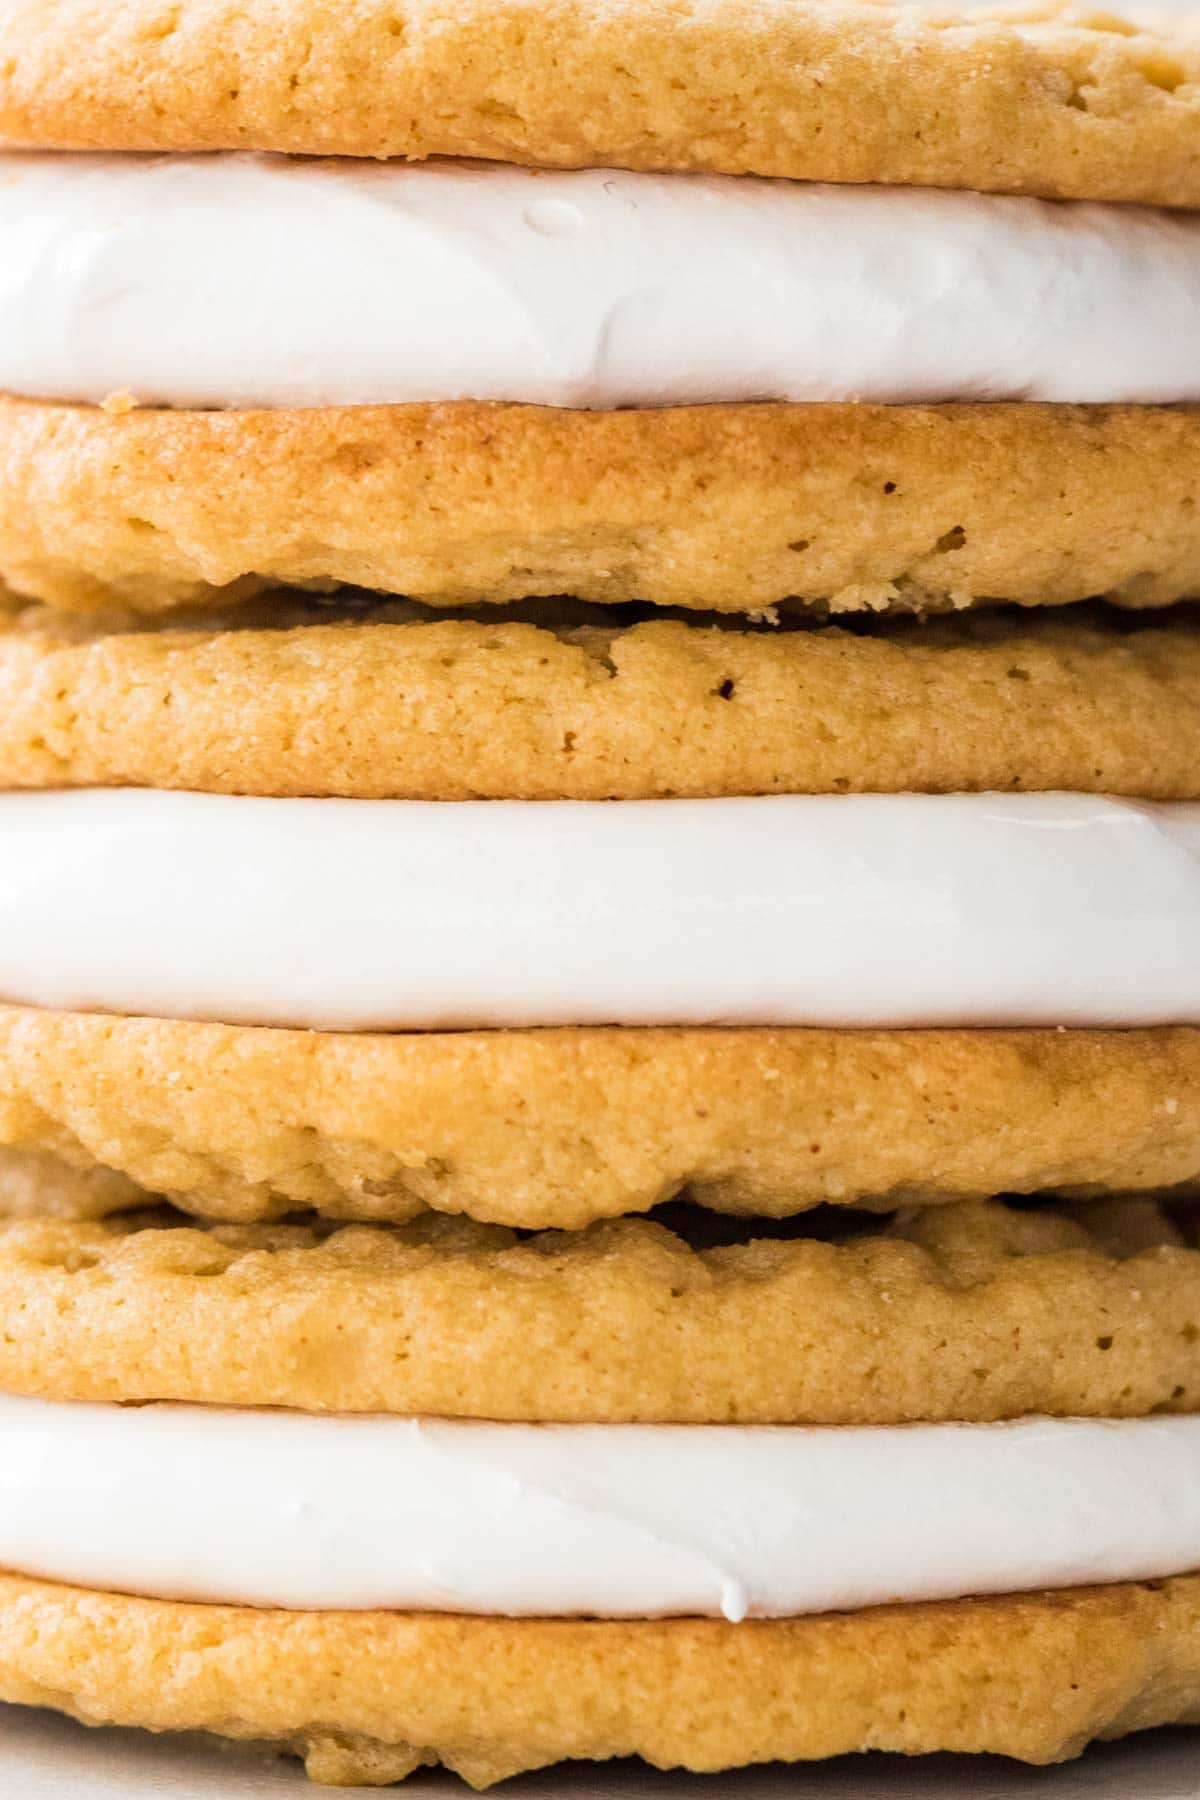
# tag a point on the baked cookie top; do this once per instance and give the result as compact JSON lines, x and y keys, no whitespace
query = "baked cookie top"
{"x":978,"y":1311}
{"x":570,"y":702}
{"x":1044,"y":100}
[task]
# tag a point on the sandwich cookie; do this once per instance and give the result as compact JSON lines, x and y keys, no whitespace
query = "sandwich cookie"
{"x":689,"y":1523}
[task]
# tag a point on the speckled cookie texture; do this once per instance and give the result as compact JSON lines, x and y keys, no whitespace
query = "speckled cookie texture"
{"x":979,"y":1311}
{"x":448,"y":1224}
{"x":1040,"y":99}
{"x":368,"y":1697}
{"x":732,"y":508}
{"x":558,"y":1128}
{"x":387,"y":703}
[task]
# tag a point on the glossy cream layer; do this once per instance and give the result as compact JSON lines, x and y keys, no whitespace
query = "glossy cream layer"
{"x":899,"y":909}
{"x":295,"y":1510}
{"x":240,"y":280}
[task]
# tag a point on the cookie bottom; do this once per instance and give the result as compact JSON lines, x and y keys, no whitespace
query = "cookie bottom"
{"x":366,"y":1698}
{"x":556,"y":1128}
{"x":735,"y":508}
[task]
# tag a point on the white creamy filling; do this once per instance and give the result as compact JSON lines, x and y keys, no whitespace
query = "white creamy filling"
{"x":299,"y":1510}
{"x":241,"y":280}
{"x":898,"y":909}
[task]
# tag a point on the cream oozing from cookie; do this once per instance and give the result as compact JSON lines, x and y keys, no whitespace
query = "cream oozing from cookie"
{"x":895,"y":909}
{"x":301,"y":1510}
{"x":237,"y":280}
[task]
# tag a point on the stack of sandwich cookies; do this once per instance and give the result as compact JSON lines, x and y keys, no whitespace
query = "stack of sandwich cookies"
{"x":378,"y":1588}
{"x":432,"y":901}
{"x":955,"y":931}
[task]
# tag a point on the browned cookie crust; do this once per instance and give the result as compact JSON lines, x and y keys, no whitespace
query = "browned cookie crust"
{"x":731,"y":508}
{"x":978,"y":1311}
{"x":562,"y":1127}
{"x":388,"y":704}
{"x":1038,"y":99}
{"x":368,"y":1697}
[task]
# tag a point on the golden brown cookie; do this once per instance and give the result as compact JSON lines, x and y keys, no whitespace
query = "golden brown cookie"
{"x":386,"y":704}
{"x":368,"y":1697}
{"x":1038,"y":99}
{"x":562,"y":1127}
{"x":732,"y":508}
{"x":37,"y":1185}
{"x":978,"y":1311}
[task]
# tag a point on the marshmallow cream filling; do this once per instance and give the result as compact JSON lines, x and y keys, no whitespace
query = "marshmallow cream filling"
{"x":624,"y":1521}
{"x":238,"y":280}
{"x":897,"y":909}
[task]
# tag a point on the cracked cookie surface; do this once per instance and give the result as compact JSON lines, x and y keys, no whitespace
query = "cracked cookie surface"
{"x":977,"y":1311}
{"x":383,"y":702}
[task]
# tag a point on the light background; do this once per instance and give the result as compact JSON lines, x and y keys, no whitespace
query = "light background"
{"x":46,"y":1758}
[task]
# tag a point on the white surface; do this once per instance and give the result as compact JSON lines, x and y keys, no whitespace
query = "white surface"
{"x":891,"y":909}
{"x":238,"y":280}
{"x":620,"y":1521}
{"x":43,"y":1757}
